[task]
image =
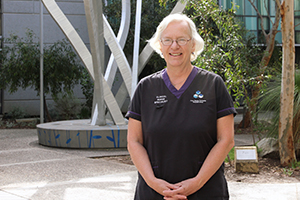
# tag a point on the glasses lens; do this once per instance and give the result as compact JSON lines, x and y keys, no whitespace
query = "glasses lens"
{"x":182,"y":41}
{"x":167,"y":42}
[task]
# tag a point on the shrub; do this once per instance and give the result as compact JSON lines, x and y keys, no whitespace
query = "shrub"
{"x":270,"y":101}
{"x":16,"y":113}
{"x":67,"y":106}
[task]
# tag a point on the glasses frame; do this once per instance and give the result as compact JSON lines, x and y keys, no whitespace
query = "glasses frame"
{"x":187,"y":40}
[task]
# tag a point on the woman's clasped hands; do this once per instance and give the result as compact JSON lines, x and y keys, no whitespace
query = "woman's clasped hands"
{"x":178,"y":191}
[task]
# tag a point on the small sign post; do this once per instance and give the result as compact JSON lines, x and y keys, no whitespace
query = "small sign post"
{"x":246,"y":159}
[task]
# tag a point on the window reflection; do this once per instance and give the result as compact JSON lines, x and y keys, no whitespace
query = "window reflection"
{"x":249,"y":18}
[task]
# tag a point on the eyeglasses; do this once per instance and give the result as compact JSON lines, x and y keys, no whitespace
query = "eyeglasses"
{"x":179,"y":41}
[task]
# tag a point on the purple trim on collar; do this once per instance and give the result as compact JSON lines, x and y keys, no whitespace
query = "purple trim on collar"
{"x":187,"y":83}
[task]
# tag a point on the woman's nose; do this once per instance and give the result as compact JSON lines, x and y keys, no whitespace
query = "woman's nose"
{"x":174,"y":44}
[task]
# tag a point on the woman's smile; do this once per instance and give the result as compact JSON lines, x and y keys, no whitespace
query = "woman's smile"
{"x":175,"y":54}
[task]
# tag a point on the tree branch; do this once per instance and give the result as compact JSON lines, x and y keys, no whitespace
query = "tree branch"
{"x":261,"y":18}
{"x":277,"y":17}
{"x":268,"y":13}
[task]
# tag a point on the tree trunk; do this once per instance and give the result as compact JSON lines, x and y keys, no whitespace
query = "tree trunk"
{"x":247,"y":118}
{"x":286,"y":140}
{"x":270,"y":44}
{"x":49,"y":118}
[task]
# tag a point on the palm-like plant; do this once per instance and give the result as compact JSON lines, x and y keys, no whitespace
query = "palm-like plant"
{"x":270,"y":101}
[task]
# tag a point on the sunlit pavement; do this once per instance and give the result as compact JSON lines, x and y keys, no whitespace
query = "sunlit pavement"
{"x":116,"y":186}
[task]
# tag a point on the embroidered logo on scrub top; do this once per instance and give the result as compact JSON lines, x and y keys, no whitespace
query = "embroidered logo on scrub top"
{"x":160,"y":101}
{"x":198,"y":97}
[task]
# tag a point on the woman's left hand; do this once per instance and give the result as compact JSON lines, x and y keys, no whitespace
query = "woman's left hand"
{"x":186,"y":188}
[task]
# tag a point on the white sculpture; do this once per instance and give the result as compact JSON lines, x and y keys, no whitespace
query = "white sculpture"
{"x":93,"y":61}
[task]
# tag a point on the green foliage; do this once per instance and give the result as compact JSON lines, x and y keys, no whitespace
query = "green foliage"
{"x":8,"y":124}
{"x":85,"y":113}
{"x":20,"y":68}
{"x":16,"y":113}
{"x":231,"y":155}
{"x":296,"y":165}
{"x":223,"y":38}
{"x":67,"y":106}
{"x":230,"y":50}
{"x":62,"y":68}
{"x":87,"y":87}
{"x":288,"y":171}
{"x":259,"y":150}
{"x":270,"y":101}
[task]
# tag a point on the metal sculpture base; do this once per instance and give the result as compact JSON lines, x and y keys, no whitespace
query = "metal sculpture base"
{"x":81,"y":134}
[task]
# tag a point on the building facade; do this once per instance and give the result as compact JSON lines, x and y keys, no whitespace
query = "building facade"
{"x":251,"y":20}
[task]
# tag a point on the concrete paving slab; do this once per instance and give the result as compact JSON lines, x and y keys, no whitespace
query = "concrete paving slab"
{"x":7,"y":196}
{"x":16,"y":138}
{"x":266,"y":191}
{"x":53,"y":170}
{"x":115,"y":186}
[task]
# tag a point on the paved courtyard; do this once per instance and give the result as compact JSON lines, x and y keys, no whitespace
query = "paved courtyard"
{"x":31,"y":171}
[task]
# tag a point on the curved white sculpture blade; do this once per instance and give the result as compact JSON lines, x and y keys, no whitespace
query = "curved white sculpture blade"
{"x":84,"y":55}
{"x":121,"y":38}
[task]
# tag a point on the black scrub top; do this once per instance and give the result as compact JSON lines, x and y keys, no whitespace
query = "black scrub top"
{"x":180,"y":128}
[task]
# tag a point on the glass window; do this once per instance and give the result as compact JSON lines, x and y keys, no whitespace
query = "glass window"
{"x":263,"y":7}
{"x":297,"y":7}
{"x":273,"y":19}
{"x":297,"y":30}
{"x":297,"y":37}
{"x":225,"y":4}
{"x":272,"y":8}
{"x":249,"y":10}
{"x":266,"y":23}
{"x":239,"y":6}
{"x":251,"y":23}
{"x":278,"y":37}
{"x":297,"y":22}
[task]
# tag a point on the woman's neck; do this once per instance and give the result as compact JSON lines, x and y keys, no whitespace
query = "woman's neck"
{"x":178,"y":76}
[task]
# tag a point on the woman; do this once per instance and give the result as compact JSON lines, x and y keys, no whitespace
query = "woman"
{"x":180,"y":125}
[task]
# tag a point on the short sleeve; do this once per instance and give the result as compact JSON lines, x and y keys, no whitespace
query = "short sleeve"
{"x":224,"y":101}
{"x":134,"y":109}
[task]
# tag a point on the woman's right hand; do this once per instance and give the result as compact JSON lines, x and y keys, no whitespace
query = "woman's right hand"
{"x":160,"y":185}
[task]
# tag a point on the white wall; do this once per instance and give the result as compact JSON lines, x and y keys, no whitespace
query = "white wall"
{"x":30,"y":102}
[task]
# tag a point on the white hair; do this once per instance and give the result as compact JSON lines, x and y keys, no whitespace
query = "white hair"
{"x":155,"y":40}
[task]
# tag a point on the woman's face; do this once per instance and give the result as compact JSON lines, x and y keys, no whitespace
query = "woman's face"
{"x":177,"y":55}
